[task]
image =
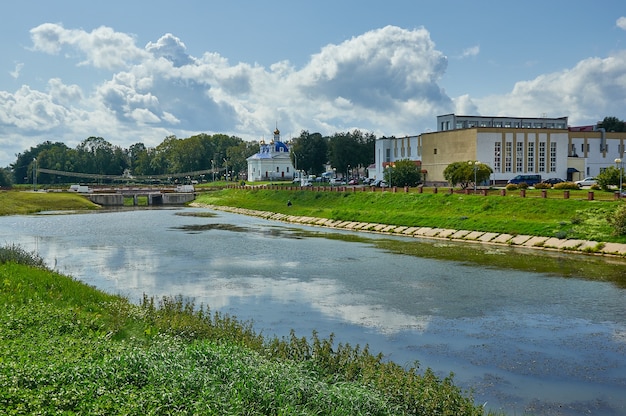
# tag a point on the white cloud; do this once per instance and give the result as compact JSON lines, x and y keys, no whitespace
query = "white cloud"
{"x":16,"y":72}
{"x":470,"y":52}
{"x":621,"y":23}
{"x":102,"y":47}
{"x":593,"y":89}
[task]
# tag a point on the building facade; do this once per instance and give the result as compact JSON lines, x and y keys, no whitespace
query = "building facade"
{"x":509,"y":145}
{"x":271,"y":163}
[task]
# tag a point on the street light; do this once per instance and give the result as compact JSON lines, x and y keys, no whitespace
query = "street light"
{"x":620,"y":163}
{"x":476,"y":163}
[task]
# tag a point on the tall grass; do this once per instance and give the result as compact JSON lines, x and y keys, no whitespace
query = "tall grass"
{"x":67,"y":348}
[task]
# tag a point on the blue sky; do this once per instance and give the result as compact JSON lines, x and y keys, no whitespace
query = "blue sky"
{"x":139,"y":71}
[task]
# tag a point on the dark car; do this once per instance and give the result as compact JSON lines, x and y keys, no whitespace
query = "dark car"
{"x":553,"y":181}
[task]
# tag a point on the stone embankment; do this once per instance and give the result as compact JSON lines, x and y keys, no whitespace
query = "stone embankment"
{"x":526,"y":241}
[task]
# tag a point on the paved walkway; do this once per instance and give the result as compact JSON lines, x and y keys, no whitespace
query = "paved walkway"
{"x":527,"y":241}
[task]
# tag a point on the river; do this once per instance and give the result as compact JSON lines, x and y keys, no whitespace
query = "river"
{"x":525,"y":340}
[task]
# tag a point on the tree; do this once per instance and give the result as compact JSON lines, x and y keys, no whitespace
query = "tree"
{"x":612,"y":124}
{"x":464,"y":173}
{"x":610,"y":176}
{"x":309,"y":152}
{"x":5,"y":178}
{"x":403,"y":172}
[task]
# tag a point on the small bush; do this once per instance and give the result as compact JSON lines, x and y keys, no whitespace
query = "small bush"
{"x":542,"y":185}
{"x":522,"y":185}
{"x":566,"y":185}
{"x":595,"y":187}
{"x":618,"y":221}
{"x":511,"y":187}
{"x":16,"y":254}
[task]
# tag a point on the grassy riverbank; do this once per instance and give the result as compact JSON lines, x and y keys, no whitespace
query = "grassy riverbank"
{"x":68,"y":348}
{"x":24,"y":202}
{"x":574,"y":218}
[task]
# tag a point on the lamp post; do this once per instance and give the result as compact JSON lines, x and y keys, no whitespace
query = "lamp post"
{"x":620,"y":164}
{"x":475,"y":164}
{"x":226,"y":168}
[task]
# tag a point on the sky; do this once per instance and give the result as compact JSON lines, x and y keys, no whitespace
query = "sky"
{"x":139,"y":71}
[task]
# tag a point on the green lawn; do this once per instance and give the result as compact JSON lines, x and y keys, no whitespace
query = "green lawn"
{"x":576,"y":217}
{"x":28,"y":202}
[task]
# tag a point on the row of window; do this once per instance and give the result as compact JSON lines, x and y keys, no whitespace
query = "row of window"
{"x":445,"y":125}
{"x":520,"y":161}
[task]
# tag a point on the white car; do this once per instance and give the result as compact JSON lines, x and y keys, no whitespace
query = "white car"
{"x":586,"y":182}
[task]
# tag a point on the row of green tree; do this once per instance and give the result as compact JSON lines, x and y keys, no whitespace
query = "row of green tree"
{"x":217,"y":154}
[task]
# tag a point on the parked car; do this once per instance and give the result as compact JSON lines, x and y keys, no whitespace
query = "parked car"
{"x":529,"y":180}
{"x":586,"y":182}
{"x":553,"y":181}
{"x":379,"y":183}
{"x":353,"y":182}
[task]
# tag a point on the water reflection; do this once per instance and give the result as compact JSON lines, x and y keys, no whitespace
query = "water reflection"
{"x":529,"y":331}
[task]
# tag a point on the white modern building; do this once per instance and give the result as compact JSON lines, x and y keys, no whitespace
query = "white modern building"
{"x":271,"y":163}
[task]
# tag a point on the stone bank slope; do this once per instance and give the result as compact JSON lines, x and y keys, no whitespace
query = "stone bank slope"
{"x":526,"y":241}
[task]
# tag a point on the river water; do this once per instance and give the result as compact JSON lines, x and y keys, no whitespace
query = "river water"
{"x":524,"y":342}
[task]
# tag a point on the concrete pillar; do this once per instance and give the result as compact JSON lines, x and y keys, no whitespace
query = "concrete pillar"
{"x":590,"y":196}
{"x":522,"y":193}
{"x":566,"y":194}
{"x":544,"y":193}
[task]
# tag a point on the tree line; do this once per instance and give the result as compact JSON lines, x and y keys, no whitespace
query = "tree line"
{"x":221,"y":155}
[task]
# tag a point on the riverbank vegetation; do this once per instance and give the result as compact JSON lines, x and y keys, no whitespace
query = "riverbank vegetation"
{"x":574,"y":218}
{"x":66,"y":347}
{"x":24,"y":202}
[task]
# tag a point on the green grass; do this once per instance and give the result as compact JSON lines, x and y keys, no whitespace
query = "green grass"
{"x":67,"y":348}
{"x":26,"y":202}
{"x":575,"y":218}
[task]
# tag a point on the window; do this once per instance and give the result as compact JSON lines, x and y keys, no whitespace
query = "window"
{"x":530,"y":157}
{"x":519,"y":157}
{"x":542,"y":156}
{"x":435,"y":151}
{"x":508,"y":149}
{"x":287,"y":169}
{"x":497,"y":148}
{"x":552,"y":157}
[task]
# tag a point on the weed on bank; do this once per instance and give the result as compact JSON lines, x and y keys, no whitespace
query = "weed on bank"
{"x":67,"y":348}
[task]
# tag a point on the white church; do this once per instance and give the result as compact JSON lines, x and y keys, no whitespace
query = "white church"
{"x":272,"y":163}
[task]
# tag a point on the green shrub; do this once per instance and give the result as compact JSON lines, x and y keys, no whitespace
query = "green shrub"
{"x":618,"y":221}
{"x":15,"y":254}
{"x":542,"y":185}
{"x":511,"y":187}
{"x":566,"y":185}
{"x":595,"y":187}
